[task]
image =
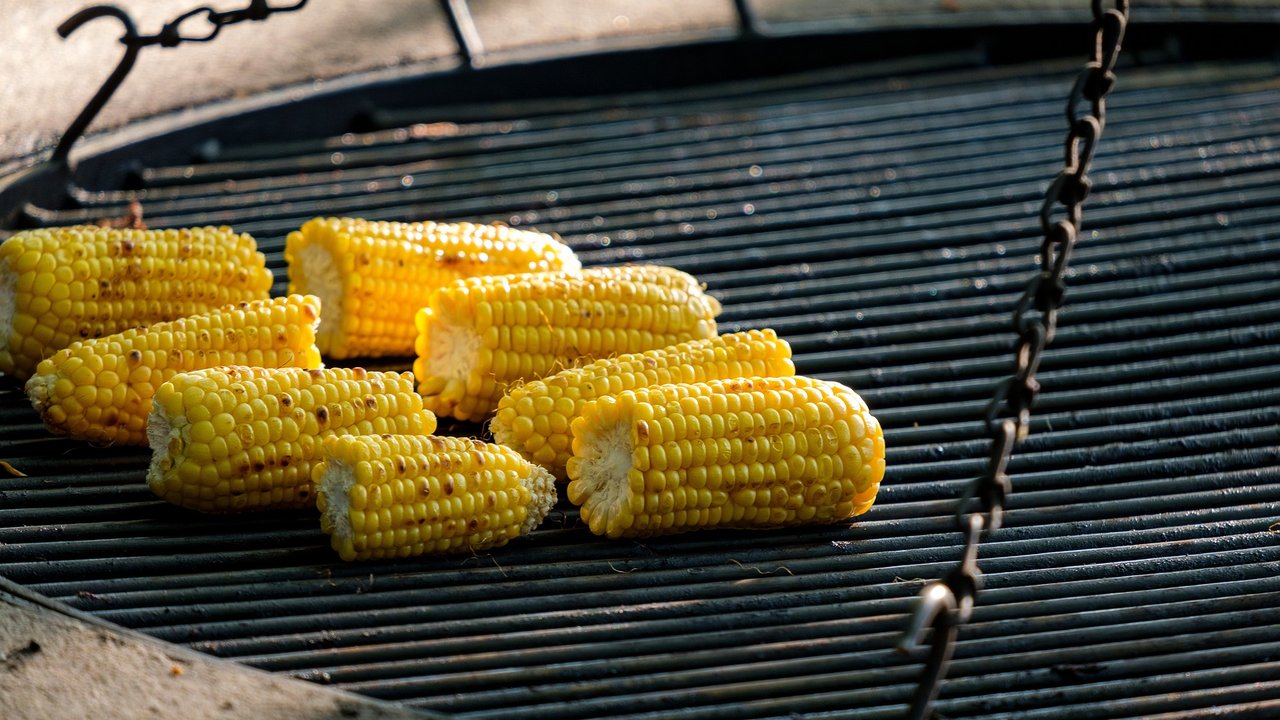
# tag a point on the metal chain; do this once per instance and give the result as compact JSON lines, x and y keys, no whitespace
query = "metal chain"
{"x":171,"y":34}
{"x":947,"y":603}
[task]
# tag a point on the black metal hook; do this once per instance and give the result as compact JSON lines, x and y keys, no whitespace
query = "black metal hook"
{"x":936,"y":608}
{"x":117,"y":76}
{"x":169,"y":36}
{"x":943,"y":605}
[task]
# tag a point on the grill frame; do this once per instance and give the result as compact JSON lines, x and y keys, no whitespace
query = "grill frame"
{"x":878,"y":611}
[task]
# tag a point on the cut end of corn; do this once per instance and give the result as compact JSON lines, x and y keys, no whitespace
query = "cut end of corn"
{"x":403,"y":496}
{"x":534,"y":418}
{"x":604,"y":467}
{"x":477,"y":337}
{"x":372,"y":276}
{"x":541,"y":486}
{"x":449,"y":354}
{"x":325,"y":282}
{"x":59,"y":285}
{"x":747,"y":452}
{"x":242,"y":438}
{"x":100,"y":389}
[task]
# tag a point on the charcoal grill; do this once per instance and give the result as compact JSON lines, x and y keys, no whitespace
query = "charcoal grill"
{"x":879,"y":214}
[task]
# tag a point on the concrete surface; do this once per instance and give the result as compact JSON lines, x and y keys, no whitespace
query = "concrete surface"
{"x":44,"y":80}
{"x":51,"y":78}
{"x":53,"y":666}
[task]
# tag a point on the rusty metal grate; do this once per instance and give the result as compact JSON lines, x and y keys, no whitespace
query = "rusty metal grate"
{"x":883,"y":222}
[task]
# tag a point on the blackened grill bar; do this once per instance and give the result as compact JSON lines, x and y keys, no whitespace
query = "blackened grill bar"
{"x":216,"y":619}
{"x":507,"y":167}
{"x":884,"y":222}
{"x":849,"y":115}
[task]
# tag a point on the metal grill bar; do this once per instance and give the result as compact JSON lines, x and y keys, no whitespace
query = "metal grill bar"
{"x":629,"y":150}
{"x":884,"y":100}
{"x":594,"y":186}
{"x":891,"y":224}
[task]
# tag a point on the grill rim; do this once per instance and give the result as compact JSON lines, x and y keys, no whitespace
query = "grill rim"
{"x":107,"y":158}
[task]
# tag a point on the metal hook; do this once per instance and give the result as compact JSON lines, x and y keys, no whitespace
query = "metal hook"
{"x":129,"y":39}
{"x":935,"y":599}
{"x":936,"y":607}
{"x":169,"y":36}
{"x":942,"y":605}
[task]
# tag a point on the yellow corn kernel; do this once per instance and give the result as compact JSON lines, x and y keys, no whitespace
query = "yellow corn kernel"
{"x":267,"y":426}
{"x":59,"y":285}
{"x":766,"y":452}
{"x":560,"y":398}
{"x":118,"y":374}
{"x":373,"y":276}
{"x":402,"y":496}
{"x":480,"y":336}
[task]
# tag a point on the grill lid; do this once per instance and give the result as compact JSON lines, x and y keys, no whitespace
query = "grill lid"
{"x":883,"y":223}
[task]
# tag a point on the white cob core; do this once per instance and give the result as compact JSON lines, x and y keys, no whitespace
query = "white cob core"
{"x":158,"y":431}
{"x":602,"y":471}
{"x":542,"y":489}
{"x":501,"y":432}
{"x":335,"y":485}
{"x":455,"y":350}
{"x":318,"y":275}
{"x":40,"y":391}
{"x":165,"y":442}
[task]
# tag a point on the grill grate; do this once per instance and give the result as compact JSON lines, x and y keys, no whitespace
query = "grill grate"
{"x":884,"y":222}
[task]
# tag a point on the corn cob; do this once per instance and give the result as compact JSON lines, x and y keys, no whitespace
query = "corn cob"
{"x":479,"y":336}
{"x":373,"y":276}
{"x":401,"y":496}
{"x":534,"y":418}
{"x":747,"y":452}
{"x":60,"y":285}
{"x":100,"y":389}
{"x":242,"y":438}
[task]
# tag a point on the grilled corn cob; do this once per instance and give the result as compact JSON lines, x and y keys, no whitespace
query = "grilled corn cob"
{"x":400,"y":495}
{"x":534,"y":418}
{"x":60,"y":285}
{"x":747,"y":452}
{"x":373,"y":276}
{"x":100,"y":389}
{"x":241,"y":438}
{"x":479,"y":336}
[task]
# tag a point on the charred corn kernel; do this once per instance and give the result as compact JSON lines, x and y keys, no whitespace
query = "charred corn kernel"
{"x":746,"y":452}
{"x":101,"y":389}
{"x":479,"y":336}
{"x":401,"y":495}
{"x":59,"y":285}
{"x":373,"y":276}
{"x":246,"y":438}
{"x":561,"y":397}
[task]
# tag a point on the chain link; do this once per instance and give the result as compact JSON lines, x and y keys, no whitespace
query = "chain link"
{"x":171,"y":34}
{"x":947,"y":603}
